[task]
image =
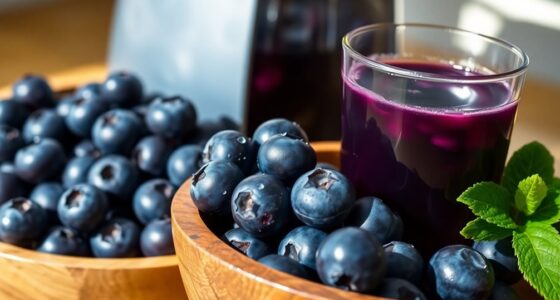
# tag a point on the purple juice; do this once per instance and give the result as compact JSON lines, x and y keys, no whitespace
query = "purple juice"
{"x":418,"y":144}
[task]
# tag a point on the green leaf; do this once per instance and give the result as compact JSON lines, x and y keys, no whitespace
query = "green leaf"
{"x":555,"y":184}
{"x":480,"y":230}
{"x":490,"y":202}
{"x":530,"y":193}
{"x":549,"y":210}
{"x":530,"y":159}
{"x":537,"y":249}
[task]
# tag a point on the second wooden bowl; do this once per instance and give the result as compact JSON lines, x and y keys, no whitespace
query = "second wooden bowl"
{"x":27,"y":274}
{"x":213,"y":270}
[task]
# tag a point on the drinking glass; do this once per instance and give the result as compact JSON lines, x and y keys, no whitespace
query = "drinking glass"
{"x":427,"y":111}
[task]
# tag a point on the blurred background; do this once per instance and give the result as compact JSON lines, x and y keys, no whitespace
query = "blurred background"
{"x":53,"y":36}
{"x":47,"y":36}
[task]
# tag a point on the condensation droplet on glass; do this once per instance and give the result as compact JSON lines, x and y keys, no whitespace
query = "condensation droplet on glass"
{"x":224,"y":193}
{"x":260,"y":186}
{"x":242,"y":140}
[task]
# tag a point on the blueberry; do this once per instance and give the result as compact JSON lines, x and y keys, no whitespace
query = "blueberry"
{"x":351,"y":258}
{"x":10,"y":142}
{"x":156,"y":238}
{"x":118,"y":238}
{"x":227,"y":123}
{"x":86,"y":148}
{"x":116,"y":131}
{"x":21,"y":221}
{"x":44,"y":123}
{"x":371,"y":214}
{"x":122,"y":89}
{"x":12,"y":113}
{"x":148,"y":98}
{"x":325,"y":165}
{"x":76,"y":171}
{"x":11,"y":186}
{"x":151,"y":153}
{"x":404,"y":261}
{"x":212,"y":186}
{"x":285,"y":157}
{"x":322,"y":198}
{"x":171,"y":117}
{"x":397,"y":288}
{"x":90,"y":91}
{"x":459,"y":272}
{"x":273,"y":127}
{"x":83,"y":114}
{"x":152,"y":200}
{"x":115,"y":175}
{"x":301,"y":245}
{"x":82,"y":207}
{"x":63,"y":106}
{"x":33,"y":91}
{"x":206,"y":129}
{"x":47,"y":195}
{"x":286,"y":265}
{"x":121,"y":210}
{"x":260,"y":204}
{"x":182,"y":163}
{"x":247,"y":244}
{"x":64,"y":241}
{"x":141,"y":110}
{"x":501,"y":256}
{"x":230,"y":145}
{"x":502,"y":291}
{"x":40,"y":161}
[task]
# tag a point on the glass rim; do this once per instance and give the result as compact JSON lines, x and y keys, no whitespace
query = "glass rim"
{"x":406,"y":73}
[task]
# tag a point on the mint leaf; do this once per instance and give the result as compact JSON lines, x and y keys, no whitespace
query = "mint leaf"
{"x":530,"y":159}
{"x":549,"y":210}
{"x":480,"y":230}
{"x":537,"y":250}
{"x":555,"y":184}
{"x":530,"y":193}
{"x":490,"y":202}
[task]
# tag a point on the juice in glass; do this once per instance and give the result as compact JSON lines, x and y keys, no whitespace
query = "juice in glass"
{"x":417,"y":131}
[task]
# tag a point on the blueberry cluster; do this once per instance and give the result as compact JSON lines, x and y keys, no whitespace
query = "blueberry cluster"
{"x":303,"y":218}
{"x":92,"y":173}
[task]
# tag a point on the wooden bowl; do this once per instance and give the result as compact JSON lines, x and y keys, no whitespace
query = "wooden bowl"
{"x":27,"y":274}
{"x":213,"y":270}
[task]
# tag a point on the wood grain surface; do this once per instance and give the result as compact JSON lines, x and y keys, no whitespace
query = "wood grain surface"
{"x":213,"y":270}
{"x":49,"y":36}
{"x":27,"y":274}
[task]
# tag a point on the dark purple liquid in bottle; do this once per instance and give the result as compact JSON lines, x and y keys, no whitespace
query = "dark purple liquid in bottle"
{"x":418,"y":144}
{"x":295,"y":60}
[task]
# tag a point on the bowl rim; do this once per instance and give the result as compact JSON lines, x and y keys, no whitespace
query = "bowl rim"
{"x":232,"y":259}
{"x":23,"y":255}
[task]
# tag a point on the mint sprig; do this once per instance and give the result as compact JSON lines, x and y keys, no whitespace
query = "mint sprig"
{"x":530,"y":159}
{"x":526,"y":205}
{"x":536,"y":249}
{"x":531,"y":191}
